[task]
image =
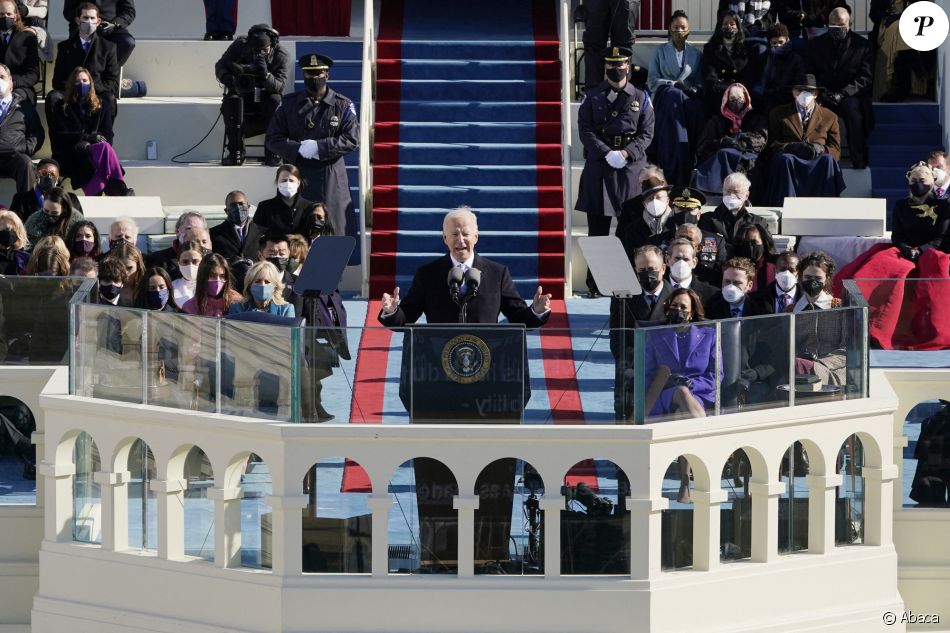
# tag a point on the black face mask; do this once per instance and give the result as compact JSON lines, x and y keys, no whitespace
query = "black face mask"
{"x":109,"y":291}
{"x":7,"y":23}
{"x":920,"y":189}
{"x":315,"y":85}
{"x":616,"y":75}
{"x":648,"y":279}
{"x":7,"y":238}
{"x":728,"y":34}
{"x":238,"y":214}
{"x":838,"y":34}
{"x":280,"y":263}
{"x":46,"y":183}
{"x":781,"y":50}
{"x":736,"y":106}
{"x":813,"y":287}
{"x":315,"y":226}
{"x":749,"y":250}
{"x":677,"y":315}
{"x":116,"y":242}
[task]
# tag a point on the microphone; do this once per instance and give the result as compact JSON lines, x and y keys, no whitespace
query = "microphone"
{"x":455,"y":280}
{"x":473,"y":277}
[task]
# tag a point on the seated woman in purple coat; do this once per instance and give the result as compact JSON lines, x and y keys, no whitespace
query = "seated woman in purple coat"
{"x":686,"y":355}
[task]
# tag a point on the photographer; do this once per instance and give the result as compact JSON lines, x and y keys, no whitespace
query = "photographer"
{"x":253,"y":71}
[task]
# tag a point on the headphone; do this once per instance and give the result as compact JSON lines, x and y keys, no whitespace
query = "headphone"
{"x":263,"y":28}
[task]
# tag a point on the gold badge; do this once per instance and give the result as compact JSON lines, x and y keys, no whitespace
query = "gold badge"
{"x":616,"y":52}
{"x":466,"y":359}
{"x":314,"y":61}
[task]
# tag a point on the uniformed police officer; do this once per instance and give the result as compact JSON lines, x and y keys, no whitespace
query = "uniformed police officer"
{"x":253,"y":70}
{"x":315,"y":129}
{"x":615,"y":122}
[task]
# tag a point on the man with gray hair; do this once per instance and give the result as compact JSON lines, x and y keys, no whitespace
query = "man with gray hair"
{"x":123,"y":229}
{"x":167,"y":258}
{"x":430,"y":294}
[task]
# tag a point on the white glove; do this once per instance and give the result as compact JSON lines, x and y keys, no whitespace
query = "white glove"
{"x":616,"y":160}
{"x":309,"y":149}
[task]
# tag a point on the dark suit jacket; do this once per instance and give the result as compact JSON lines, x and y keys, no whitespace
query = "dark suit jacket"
{"x":785,"y":126}
{"x":224,"y":241}
{"x":429,"y":295}
{"x":722,"y":222}
{"x":100,"y":60}
{"x":119,"y":12}
{"x":719,"y":308}
{"x":21,"y":130}
{"x":332,"y":330}
{"x":705,"y":291}
{"x":22,"y":57}
{"x":166,"y":258}
{"x":637,"y":310}
{"x":273,"y":214}
{"x":845,"y":68}
{"x":767,"y":298}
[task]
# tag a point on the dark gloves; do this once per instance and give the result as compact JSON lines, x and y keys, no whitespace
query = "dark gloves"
{"x":101,"y":139}
{"x":749,"y":374}
{"x":805,"y":151}
{"x":260,"y":66}
{"x":228,"y":81}
{"x":82,"y":146}
{"x":834,"y":99}
{"x":908,"y":252}
{"x":105,"y":28}
{"x":689,"y":92}
{"x":818,"y":148}
{"x":678,"y":380}
{"x":730,"y":142}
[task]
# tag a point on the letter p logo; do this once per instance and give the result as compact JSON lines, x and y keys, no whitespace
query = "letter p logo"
{"x":924,"y":26}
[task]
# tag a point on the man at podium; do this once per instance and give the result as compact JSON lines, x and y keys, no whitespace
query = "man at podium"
{"x":486,"y":292}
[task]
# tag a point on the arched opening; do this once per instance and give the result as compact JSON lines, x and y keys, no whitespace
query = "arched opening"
{"x":256,"y":526}
{"x":677,"y":519}
{"x":423,"y":524}
{"x":927,"y":455}
{"x":143,"y":507}
{"x":87,"y":493}
{"x":793,"y":503}
{"x":735,"y":535}
{"x":595,"y":524}
{"x":337,"y":522}
{"x":199,"y":507}
{"x":503,"y":543}
{"x":849,"y":508}
{"x":17,"y":453}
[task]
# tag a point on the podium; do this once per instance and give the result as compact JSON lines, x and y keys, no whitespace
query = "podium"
{"x":465,"y":373}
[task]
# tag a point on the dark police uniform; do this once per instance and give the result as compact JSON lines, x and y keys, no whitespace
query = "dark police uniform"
{"x":609,"y":121}
{"x":253,"y":88}
{"x":334,"y":124}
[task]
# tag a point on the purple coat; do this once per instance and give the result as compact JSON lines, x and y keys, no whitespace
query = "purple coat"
{"x":662,"y":348}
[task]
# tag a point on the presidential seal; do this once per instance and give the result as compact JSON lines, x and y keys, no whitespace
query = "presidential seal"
{"x":466,"y":359}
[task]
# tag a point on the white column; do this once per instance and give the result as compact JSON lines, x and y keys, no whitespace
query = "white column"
{"x":38,"y":439}
{"x":466,"y":507}
{"x":765,"y":519}
{"x":115,"y":510}
{"x":380,"y":505}
{"x":646,"y":536}
{"x":227,"y":526}
{"x":552,"y":535}
{"x":822,"y":494}
{"x":171,"y":518}
{"x":706,"y":523}
{"x":58,"y":483}
{"x":287,"y":534}
{"x":879,"y":504}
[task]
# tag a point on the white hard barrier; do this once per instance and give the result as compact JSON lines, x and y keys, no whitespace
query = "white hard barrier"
{"x":834,"y":216}
{"x":145,"y":210}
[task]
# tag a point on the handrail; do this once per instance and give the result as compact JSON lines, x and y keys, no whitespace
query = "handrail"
{"x":366,"y":123}
{"x":564,"y":19}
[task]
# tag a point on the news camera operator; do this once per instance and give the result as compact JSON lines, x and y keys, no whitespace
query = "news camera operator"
{"x":253,"y":71}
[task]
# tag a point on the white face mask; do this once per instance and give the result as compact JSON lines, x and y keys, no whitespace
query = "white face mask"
{"x":786,"y":280}
{"x":87,"y":28}
{"x":805,"y":99}
{"x":656,"y":207}
{"x":288,"y":189}
{"x":189,"y":272}
{"x":680,"y":270}
{"x":732,"y":294}
{"x":732,"y":202}
{"x":939,"y":175}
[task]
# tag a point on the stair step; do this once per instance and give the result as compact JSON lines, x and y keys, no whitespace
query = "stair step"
{"x":464,"y":89}
{"x":468,"y":153}
{"x":889,"y":177}
{"x":449,"y":197}
{"x":448,"y":111}
{"x":423,"y":219}
{"x":901,"y":113}
{"x":526,"y":70}
{"x":529,"y":241}
{"x":467,"y":175}
{"x":899,"y":155}
{"x":462,"y":132}
{"x":526,"y":50}
{"x":904,"y":134}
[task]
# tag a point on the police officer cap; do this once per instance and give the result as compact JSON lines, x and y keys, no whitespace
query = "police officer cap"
{"x":315,"y":61}
{"x":686,"y":198}
{"x":617,"y":54}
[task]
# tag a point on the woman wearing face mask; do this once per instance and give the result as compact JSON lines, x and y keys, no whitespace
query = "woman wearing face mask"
{"x":731,"y":141}
{"x":755,"y":243}
{"x":675,"y":81}
{"x":316,"y":223}
{"x":286,"y":210}
{"x":82,"y":239}
{"x":820,"y":341}
{"x":213,"y":292}
{"x":154,"y":292}
{"x":80,"y":133}
{"x":190,"y":255}
{"x":263,"y":292}
{"x":13,"y":244}
{"x":726,"y":60}
{"x":56,"y":218}
{"x":680,"y":361}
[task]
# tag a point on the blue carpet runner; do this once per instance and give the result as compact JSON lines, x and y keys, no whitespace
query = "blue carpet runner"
{"x":904,"y":133}
{"x":468,"y":113}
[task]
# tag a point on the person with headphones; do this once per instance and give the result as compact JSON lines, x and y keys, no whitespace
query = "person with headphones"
{"x":253,"y":70}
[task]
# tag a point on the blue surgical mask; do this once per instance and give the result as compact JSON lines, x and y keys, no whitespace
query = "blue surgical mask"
{"x":82,"y":89}
{"x":157,"y":299}
{"x":262,"y":292}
